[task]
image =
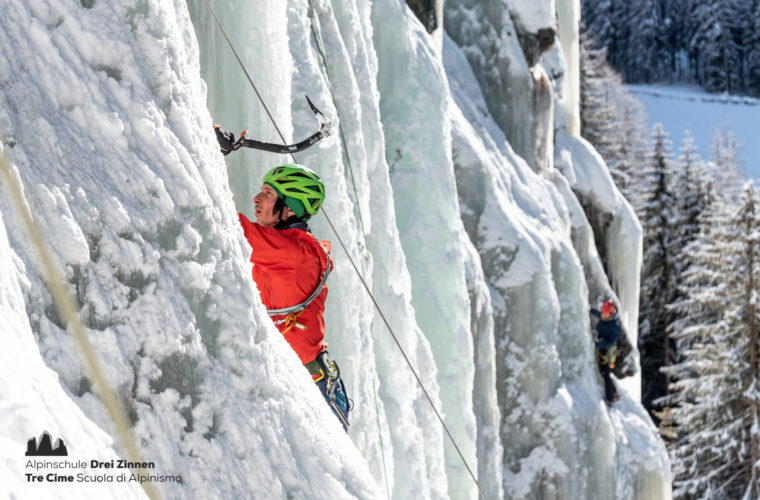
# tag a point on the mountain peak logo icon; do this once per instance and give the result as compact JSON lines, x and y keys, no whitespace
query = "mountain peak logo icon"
{"x":44,"y":447}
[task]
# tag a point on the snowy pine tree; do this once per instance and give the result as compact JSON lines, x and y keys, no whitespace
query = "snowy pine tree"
{"x":598,"y":82}
{"x":634,"y":150}
{"x":725,"y":164}
{"x":603,"y":19}
{"x":715,"y":50}
{"x":752,"y":53}
{"x":643,"y":51}
{"x":714,"y":398}
{"x":676,"y":47}
{"x":658,"y":281}
{"x":612,"y":119}
{"x":715,"y":43}
{"x":596,"y":15}
{"x":690,"y":200}
{"x":749,"y":223}
{"x":688,"y":192}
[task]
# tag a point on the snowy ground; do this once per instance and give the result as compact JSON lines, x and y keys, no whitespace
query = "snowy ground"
{"x":681,"y":108}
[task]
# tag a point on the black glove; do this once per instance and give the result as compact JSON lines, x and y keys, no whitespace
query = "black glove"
{"x":226,"y":140}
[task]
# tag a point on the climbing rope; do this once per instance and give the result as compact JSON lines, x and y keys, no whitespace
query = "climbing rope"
{"x":316,"y":33}
{"x":69,"y":315}
{"x":353,"y":264}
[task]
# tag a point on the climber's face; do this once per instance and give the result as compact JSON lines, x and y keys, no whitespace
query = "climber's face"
{"x":264,"y":203}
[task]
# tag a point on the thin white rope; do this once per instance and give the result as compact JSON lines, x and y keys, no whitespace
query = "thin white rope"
{"x":356,"y":269}
{"x":69,"y":314}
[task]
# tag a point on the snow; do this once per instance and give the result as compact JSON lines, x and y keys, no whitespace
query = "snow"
{"x":487,"y":34}
{"x":594,"y":183}
{"x":32,"y":393}
{"x":475,"y":247}
{"x":552,"y":404}
{"x":155,"y":256}
{"x":680,"y":108}
{"x":532,"y":16}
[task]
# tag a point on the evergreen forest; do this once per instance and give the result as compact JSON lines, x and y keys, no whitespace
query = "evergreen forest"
{"x":712,"y":43}
{"x":699,"y":285}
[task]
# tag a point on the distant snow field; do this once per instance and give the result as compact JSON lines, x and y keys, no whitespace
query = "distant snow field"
{"x":681,"y":108}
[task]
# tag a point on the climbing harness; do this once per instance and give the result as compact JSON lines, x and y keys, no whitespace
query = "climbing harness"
{"x":356,"y":269}
{"x":608,"y":356}
{"x":315,"y":369}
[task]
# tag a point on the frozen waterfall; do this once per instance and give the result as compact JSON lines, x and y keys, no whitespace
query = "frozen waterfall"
{"x":456,"y":180}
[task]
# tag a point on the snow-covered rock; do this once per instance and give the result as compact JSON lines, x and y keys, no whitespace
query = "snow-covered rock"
{"x":113,"y":145}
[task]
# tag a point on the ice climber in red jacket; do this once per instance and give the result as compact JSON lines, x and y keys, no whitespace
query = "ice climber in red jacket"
{"x":290,"y":267}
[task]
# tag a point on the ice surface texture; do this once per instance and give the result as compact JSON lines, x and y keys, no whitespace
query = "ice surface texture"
{"x":476,"y":248}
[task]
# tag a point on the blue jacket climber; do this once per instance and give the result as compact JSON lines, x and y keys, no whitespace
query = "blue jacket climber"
{"x":608,"y":331}
{"x":608,"y":326}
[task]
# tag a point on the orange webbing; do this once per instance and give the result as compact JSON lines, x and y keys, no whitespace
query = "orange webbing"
{"x":290,"y":322}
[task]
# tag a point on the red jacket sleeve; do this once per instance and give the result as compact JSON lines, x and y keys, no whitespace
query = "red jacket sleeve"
{"x":269,"y":245}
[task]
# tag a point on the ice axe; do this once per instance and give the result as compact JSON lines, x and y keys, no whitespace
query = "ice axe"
{"x":325,"y":127}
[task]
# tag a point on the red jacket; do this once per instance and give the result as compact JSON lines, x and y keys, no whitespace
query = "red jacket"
{"x":288,"y":264}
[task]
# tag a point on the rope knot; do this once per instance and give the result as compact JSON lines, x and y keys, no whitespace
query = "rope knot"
{"x":290,"y":321}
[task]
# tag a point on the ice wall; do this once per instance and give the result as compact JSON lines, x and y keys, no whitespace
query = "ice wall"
{"x":568,"y":27}
{"x":442,"y":186}
{"x":32,"y":399}
{"x":412,"y":84}
{"x":515,"y":236}
{"x":334,"y":61}
{"x":591,"y":182}
{"x":559,"y":439}
{"x":517,"y":90}
{"x":105,"y":114}
{"x":530,"y":291}
{"x":620,"y":234}
{"x":369,"y":225}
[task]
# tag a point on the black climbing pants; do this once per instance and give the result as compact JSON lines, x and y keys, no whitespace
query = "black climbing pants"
{"x":610,"y":392}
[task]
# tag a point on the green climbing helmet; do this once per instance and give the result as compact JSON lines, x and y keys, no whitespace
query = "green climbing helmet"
{"x":299,"y":186}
